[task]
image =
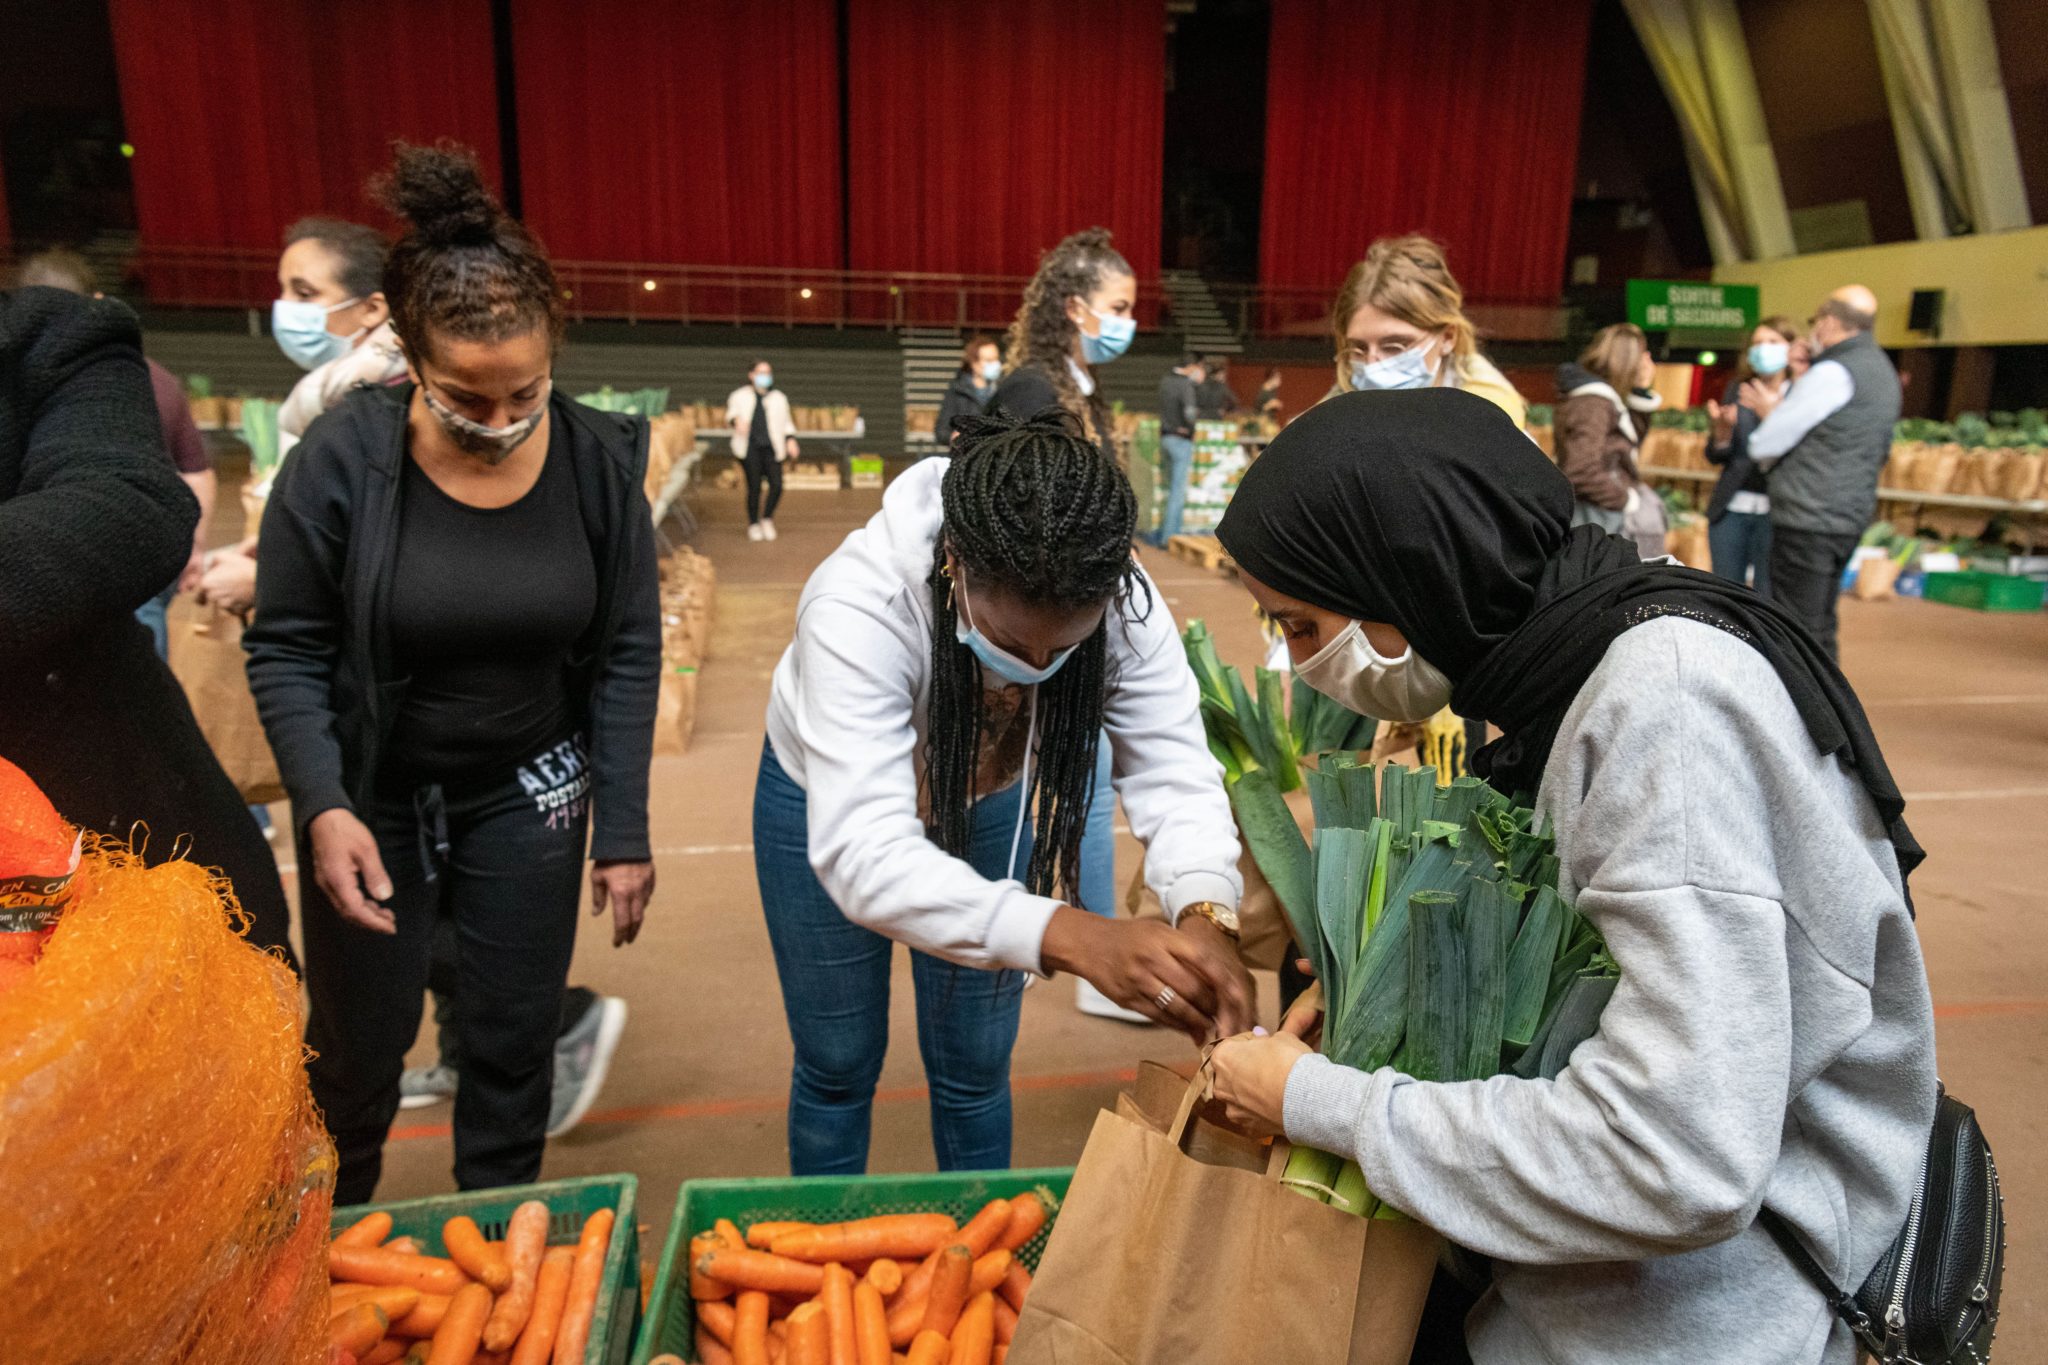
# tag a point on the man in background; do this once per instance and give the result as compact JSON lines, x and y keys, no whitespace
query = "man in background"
{"x":1823,"y":443}
{"x":1178,"y":398}
{"x":1213,"y":399}
{"x":63,"y":268}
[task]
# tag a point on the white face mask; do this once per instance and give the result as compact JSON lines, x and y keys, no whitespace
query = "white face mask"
{"x":1413,"y":368}
{"x":1351,"y":671}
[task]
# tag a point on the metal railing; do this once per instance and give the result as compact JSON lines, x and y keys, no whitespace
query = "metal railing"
{"x":241,"y":277}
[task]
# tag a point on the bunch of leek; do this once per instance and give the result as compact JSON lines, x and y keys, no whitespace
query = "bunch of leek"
{"x":1255,"y":729}
{"x":1432,"y":919}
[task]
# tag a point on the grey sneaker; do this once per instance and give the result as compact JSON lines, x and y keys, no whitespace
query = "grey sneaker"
{"x":425,"y":1085}
{"x":583,"y":1057}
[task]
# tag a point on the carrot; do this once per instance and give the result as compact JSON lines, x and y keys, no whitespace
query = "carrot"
{"x":717,"y":1318}
{"x":385,"y":1352}
{"x":1000,"y":1354}
{"x":810,"y":1336}
{"x":761,"y":1270}
{"x":986,"y":1228}
{"x":750,"y":1329}
{"x":930,"y":1348}
{"x":886,"y":1276}
{"x":889,"y":1234}
{"x":359,"y":1328}
{"x":870,"y":1324}
{"x":1006,"y":1322}
{"x":988,"y":1273}
{"x":468,"y":1249}
{"x":368,"y":1231}
{"x":1016,"y":1284}
{"x":974,"y":1338}
{"x":341,"y":1296}
{"x":906,"y":1309}
{"x":462,"y":1326}
{"x":382,"y":1265}
{"x":949,"y":1290}
{"x":703,"y":1286}
{"x":408,"y":1246}
{"x":729,"y":1233}
{"x":424,"y":1318}
{"x":761,"y":1235}
{"x":526,"y":1241}
{"x":1027,"y":1216}
{"x":837,"y":1299}
{"x":550,"y":1291}
{"x":395,"y":1300}
{"x":709,"y":1351}
{"x":586,"y":1277}
{"x":420,"y":1353}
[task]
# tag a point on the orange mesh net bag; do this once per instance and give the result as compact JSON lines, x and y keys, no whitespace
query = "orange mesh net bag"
{"x":165,"y":1182}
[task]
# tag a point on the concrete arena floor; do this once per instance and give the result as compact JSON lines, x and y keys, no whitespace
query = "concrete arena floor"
{"x":1959,"y":699}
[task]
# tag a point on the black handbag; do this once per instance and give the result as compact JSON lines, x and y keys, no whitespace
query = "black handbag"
{"x":1933,"y":1297}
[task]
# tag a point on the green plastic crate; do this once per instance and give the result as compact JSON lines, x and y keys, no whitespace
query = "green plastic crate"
{"x":1984,"y":591}
{"x":570,"y":1201}
{"x":671,"y":1316}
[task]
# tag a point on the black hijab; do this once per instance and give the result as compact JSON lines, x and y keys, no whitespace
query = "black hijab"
{"x":1431,"y":511}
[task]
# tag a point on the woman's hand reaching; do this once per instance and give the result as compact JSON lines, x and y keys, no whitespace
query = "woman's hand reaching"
{"x":1251,"y":1072}
{"x":1187,"y":978}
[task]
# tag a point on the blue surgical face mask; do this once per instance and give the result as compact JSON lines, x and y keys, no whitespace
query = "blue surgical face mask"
{"x":995,"y":659}
{"x":1769,"y":357}
{"x":1411,"y":369}
{"x":1113,"y":340}
{"x":991,"y":371}
{"x":300,"y":327}
{"x":763,"y":381}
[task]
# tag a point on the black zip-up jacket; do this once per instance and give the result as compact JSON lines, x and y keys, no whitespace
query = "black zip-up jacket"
{"x":962,"y":400}
{"x":320,"y":656}
{"x":1739,"y":473}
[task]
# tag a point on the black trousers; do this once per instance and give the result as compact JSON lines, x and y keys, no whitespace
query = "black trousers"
{"x":504,"y":861}
{"x":1806,"y":578}
{"x":761,"y":467}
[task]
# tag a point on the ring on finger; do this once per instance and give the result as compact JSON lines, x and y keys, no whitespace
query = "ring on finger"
{"x":1165,"y":998}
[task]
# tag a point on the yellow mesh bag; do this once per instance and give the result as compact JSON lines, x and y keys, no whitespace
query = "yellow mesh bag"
{"x":165,"y":1181}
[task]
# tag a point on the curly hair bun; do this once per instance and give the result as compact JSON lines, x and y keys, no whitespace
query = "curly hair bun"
{"x":440,"y":192}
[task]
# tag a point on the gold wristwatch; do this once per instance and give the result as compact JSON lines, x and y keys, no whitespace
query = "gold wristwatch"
{"x":1222,"y":916}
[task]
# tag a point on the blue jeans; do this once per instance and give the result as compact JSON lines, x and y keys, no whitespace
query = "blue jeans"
{"x":153,"y":614}
{"x":835,"y":992}
{"x":1180,"y":458}
{"x":1741,"y":541}
{"x":1098,"y":841}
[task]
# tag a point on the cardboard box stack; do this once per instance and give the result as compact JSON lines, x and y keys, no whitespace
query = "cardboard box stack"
{"x":688,"y":588}
{"x":1220,"y":461}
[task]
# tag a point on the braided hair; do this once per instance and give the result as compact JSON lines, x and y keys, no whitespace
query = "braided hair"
{"x":466,"y":269}
{"x":1034,"y":509}
{"x":1041,"y":336}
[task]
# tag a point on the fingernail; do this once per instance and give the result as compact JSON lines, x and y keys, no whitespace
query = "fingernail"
{"x":1259,"y":1031}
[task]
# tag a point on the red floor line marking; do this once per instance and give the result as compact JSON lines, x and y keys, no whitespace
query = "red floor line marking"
{"x":1968,"y":1009}
{"x":768,"y":1104}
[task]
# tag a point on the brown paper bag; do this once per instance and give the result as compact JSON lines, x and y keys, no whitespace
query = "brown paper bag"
{"x":1158,"y":1257}
{"x":1876,"y":580}
{"x":210,"y":665}
{"x":675,"y":709}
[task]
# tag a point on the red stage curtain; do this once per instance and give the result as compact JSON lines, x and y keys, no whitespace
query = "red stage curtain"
{"x":697,"y":134}
{"x":978,"y":135}
{"x":248,"y":114}
{"x":1461,"y":122}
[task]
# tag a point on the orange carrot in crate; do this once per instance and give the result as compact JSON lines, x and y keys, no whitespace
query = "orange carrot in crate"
{"x":368,"y":1231}
{"x":762,"y":1235}
{"x":395,"y":1300}
{"x":1001,"y":1353}
{"x":930,"y":1348}
{"x":357,"y":1329}
{"x":586,"y":1278}
{"x":986,"y":1228}
{"x":702,"y":1286}
{"x":407,"y":1246}
{"x":709,"y":1352}
{"x":750,"y":1329}
{"x":837,"y":1299}
{"x":385,"y":1352}
{"x":1016,"y":1285}
{"x":419,"y":1353}
{"x":809,"y":1340}
{"x":550,"y":1292}
{"x":382,"y":1265}
{"x":974,"y":1338}
{"x":717,"y":1318}
{"x":526,"y":1241}
{"x":341,"y":1295}
{"x":988,"y":1273}
{"x":761,"y":1270}
{"x":728,"y":1232}
{"x":906,"y":1309}
{"x":870,"y":1325}
{"x":468,"y":1248}
{"x":889,"y":1234}
{"x":462,"y":1326}
{"x":886,"y":1276}
{"x":949,"y":1290}
{"x":1006,"y":1322}
{"x":424,"y":1318}
{"x":1027,"y":1216}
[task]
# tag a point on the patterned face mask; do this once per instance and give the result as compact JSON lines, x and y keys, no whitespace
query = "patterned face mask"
{"x":492,"y":445}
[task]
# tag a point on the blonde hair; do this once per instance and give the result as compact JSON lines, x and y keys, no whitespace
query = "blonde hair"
{"x":1614,"y":353}
{"x":1405,"y":278}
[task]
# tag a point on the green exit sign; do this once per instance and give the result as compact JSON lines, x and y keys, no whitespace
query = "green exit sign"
{"x":1673,"y":305}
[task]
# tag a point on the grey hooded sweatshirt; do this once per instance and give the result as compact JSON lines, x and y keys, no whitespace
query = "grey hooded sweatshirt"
{"x":1771,"y":1042}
